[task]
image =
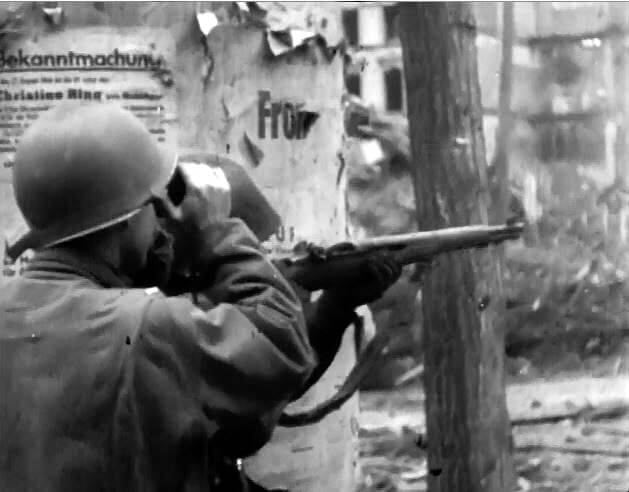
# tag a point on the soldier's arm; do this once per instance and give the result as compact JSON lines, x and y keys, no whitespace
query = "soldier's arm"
{"x":326,"y":322}
{"x":236,"y":365}
{"x":328,"y":317}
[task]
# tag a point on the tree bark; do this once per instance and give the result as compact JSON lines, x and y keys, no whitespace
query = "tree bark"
{"x":468,"y":427}
{"x":622,"y":81}
{"x":503,"y":132}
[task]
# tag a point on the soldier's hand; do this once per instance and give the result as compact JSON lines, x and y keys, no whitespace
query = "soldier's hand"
{"x":382,"y":272}
{"x":208,"y":195}
{"x":197,"y":196}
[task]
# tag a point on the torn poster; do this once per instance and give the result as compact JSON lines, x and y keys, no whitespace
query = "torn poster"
{"x":312,"y":17}
{"x":281,"y":42}
{"x":207,"y":21}
{"x":125,"y":66}
{"x":288,"y":25}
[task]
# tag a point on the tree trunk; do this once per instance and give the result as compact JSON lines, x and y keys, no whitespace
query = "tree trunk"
{"x":622,"y":143}
{"x":469,"y":437}
{"x":501,"y":158}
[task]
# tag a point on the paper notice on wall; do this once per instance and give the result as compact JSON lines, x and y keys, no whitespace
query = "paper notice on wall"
{"x":129,"y":67}
{"x":101,"y":64}
{"x":283,"y":120}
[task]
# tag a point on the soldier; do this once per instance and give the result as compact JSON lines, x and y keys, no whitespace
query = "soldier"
{"x":107,"y":386}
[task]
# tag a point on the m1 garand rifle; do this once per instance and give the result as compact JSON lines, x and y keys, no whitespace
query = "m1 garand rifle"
{"x":314,"y":268}
{"x":317,"y":268}
{"x":340,"y":266}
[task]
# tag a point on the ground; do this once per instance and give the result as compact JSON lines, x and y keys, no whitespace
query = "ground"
{"x":589,"y":453}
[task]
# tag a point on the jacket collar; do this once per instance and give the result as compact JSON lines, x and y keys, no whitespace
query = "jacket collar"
{"x":62,"y":263}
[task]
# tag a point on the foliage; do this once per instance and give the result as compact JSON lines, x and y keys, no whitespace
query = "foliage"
{"x":564,"y":283}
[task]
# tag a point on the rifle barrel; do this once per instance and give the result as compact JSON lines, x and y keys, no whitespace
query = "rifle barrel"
{"x":442,"y":236}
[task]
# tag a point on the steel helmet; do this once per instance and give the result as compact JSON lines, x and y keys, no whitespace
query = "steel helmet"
{"x":83,"y":167}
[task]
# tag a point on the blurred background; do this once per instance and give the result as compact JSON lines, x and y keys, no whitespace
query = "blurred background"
{"x":565,"y":282}
{"x":565,"y":318}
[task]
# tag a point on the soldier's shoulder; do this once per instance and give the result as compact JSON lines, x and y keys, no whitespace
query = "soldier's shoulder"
{"x":181,"y":310}
{"x":129,"y":300}
{"x":141,"y":295}
{"x":156,"y":304}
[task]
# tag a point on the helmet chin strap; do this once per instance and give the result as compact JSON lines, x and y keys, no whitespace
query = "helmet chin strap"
{"x":15,"y":250}
{"x":37,"y":239}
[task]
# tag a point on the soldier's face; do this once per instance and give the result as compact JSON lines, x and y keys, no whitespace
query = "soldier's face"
{"x":141,"y":234}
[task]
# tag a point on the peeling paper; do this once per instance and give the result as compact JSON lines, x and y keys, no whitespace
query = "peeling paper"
{"x":288,"y":26}
{"x":281,"y":42}
{"x":234,"y":13}
{"x":253,"y":13}
{"x":294,"y":37}
{"x":54,"y":15}
{"x":291,"y":25}
{"x":206,"y":69}
{"x":306,"y":120}
{"x":304,"y":16}
{"x":243,"y":6}
{"x":207,"y":21}
{"x":253,"y":151}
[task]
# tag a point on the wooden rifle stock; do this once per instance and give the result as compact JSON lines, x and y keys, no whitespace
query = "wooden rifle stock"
{"x":342,"y":265}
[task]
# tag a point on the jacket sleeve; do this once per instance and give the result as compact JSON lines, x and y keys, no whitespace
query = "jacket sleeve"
{"x":231,"y":368}
{"x":326,"y":322}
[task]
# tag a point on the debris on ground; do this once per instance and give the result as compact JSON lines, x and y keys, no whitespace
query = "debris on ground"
{"x":584,"y":451}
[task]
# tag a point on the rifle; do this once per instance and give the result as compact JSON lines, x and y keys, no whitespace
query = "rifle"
{"x":340,"y":265}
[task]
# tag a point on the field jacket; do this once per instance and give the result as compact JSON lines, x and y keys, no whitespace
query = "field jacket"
{"x":104,"y":387}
